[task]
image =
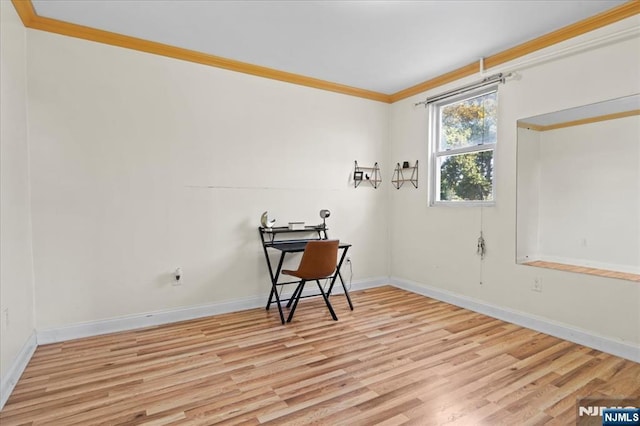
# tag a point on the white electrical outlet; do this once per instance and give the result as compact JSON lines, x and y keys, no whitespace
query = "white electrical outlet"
{"x":178,"y":278}
{"x":537,"y":285}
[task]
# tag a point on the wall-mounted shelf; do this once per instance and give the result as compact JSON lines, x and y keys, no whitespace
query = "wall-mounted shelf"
{"x":400,"y":173}
{"x":368,"y":174}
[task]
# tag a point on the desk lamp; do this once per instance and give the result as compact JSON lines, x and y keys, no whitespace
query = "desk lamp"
{"x":265,"y":222}
{"x":324,"y":213}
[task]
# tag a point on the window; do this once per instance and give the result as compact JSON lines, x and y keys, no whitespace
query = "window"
{"x":464,"y":139}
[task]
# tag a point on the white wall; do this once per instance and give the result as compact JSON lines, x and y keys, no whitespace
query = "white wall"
{"x":16,"y":273}
{"x":435,"y":246}
{"x":589,"y":188}
{"x":141,"y":164}
{"x":528,"y":196}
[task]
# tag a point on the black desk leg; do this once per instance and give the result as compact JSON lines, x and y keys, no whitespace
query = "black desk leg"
{"x":346,"y":292}
{"x":274,"y":288}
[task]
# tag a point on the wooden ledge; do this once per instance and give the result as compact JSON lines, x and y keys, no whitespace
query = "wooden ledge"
{"x":585,"y":270}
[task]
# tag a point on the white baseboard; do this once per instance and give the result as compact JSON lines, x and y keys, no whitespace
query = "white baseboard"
{"x":148,"y":319}
{"x":626,"y":350}
{"x":563,"y":331}
{"x":14,"y":372}
{"x":132,"y":322}
{"x":362,"y":285}
{"x":93,"y":328}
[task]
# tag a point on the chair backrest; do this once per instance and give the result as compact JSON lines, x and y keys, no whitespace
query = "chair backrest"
{"x":319,"y":259}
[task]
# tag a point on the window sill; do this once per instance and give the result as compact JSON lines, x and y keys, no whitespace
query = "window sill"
{"x":584,"y":270}
{"x":462,"y":204}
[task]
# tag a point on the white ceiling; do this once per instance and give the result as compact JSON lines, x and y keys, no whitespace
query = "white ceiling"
{"x":384,"y":46}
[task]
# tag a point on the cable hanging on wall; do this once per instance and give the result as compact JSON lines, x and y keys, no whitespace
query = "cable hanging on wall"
{"x":481,"y":248}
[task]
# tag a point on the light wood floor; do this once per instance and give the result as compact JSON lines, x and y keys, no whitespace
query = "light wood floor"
{"x":585,"y":270}
{"x":399,"y":358}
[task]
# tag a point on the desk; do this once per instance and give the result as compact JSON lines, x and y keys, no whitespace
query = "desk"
{"x":285,"y":244}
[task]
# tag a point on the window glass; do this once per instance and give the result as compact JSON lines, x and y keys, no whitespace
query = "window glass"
{"x":466,"y":177}
{"x":465,"y":135}
{"x":469,"y":122}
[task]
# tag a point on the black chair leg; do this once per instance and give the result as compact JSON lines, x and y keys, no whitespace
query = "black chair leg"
{"x":294,"y":295}
{"x":295,"y":302}
{"x":326,"y":301}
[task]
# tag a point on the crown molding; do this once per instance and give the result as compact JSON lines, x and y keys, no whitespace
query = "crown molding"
{"x":596,"y":119}
{"x":32,"y":20}
{"x":25,"y":10}
{"x":607,"y":17}
{"x":618,"y":13}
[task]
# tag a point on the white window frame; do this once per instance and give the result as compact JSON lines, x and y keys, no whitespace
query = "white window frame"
{"x":436,"y":153}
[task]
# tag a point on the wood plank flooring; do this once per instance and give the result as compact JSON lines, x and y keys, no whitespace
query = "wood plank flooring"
{"x":399,"y":358}
{"x":585,"y":270}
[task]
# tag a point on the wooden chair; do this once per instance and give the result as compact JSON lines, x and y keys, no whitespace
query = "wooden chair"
{"x":319,"y":261}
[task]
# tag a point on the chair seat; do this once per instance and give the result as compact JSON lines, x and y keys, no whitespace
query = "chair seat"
{"x":303,"y":276}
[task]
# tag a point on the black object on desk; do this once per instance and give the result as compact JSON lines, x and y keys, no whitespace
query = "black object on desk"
{"x":286,"y":244}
